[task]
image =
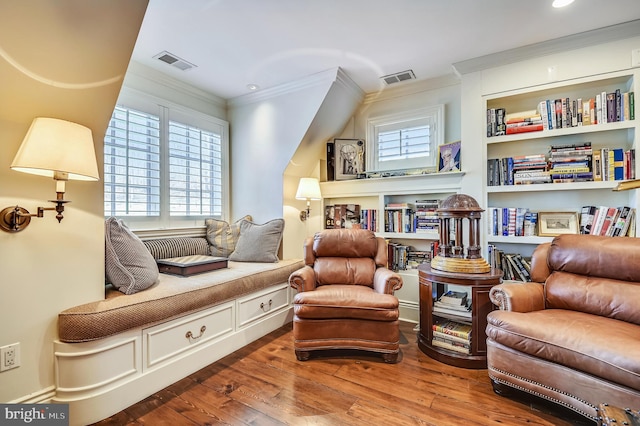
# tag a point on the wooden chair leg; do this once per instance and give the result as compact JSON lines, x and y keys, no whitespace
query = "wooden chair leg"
{"x":302,"y":355}
{"x":500,"y":389}
{"x":390,"y":358}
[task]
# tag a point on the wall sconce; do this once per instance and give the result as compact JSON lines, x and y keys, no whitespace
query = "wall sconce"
{"x":54,"y":148}
{"x":308,"y":189}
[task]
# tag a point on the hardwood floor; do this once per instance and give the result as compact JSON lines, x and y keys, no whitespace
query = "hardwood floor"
{"x":264,"y":384}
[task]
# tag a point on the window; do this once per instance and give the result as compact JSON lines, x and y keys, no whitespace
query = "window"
{"x":405,"y":141}
{"x":165,"y":169}
{"x":195,"y":171}
{"x":132,"y":164}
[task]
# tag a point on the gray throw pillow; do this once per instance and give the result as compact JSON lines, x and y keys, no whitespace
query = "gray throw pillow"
{"x":223,"y":237}
{"x":129,"y":266}
{"x":258,"y":243}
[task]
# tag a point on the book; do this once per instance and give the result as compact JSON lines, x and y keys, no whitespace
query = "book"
{"x":331,"y":161}
{"x":598,"y":219}
{"x":450,"y":347}
{"x":586,"y":219}
{"x":454,"y":328}
{"x":450,"y":337}
{"x":524,"y":129}
{"x":609,"y":221}
{"x":439,"y":309}
{"x":456,"y":298}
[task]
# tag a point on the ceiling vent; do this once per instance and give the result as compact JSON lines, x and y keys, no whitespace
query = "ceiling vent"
{"x":173,"y":60}
{"x":398,"y":77}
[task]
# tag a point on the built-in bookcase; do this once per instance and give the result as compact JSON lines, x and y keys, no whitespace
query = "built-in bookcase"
{"x":558,"y":197}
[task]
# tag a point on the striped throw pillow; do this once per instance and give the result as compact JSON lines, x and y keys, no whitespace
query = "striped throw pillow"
{"x":128,"y":264}
{"x":223,"y":236}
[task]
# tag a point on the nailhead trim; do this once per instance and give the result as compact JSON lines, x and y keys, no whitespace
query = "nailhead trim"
{"x":513,"y":385}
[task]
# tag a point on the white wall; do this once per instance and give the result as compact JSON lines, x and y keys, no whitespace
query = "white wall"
{"x":277,"y":136}
{"x":73,"y":72}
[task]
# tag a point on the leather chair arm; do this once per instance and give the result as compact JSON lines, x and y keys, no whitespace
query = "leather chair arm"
{"x":304,"y":279}
{"x":386,"y":281}
{"x":526,"y":297}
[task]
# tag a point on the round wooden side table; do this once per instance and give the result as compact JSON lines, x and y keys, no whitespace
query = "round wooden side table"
{"x":433,"y":284}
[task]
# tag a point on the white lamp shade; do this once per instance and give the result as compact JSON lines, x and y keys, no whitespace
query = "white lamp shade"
{"x":53,"y":145}
{"x":308,"y":189}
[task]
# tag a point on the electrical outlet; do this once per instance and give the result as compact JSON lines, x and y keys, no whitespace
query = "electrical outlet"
{"x":10,"y":356}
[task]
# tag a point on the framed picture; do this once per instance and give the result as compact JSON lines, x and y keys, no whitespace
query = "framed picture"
{"x":449,"y":157}
{"x":349,"y":155}
{"x":551,"y":224}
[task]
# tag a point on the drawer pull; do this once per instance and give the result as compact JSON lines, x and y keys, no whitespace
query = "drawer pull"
{"x":262,"y":306}
{"x":190,"y":335}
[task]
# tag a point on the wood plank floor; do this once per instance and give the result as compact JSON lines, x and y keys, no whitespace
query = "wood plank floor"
{"x":264,"y":384}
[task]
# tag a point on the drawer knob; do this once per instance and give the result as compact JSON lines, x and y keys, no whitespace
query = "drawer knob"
{"x":262,"y":305}
{"x":190,"y":335}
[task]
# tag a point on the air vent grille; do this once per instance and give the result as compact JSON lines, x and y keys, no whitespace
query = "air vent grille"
{"x":175,"y":61}
{"x":398,"y":77}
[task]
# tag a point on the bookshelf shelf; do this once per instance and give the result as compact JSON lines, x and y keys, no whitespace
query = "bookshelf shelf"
{"x":548,"y":134}
{"x":546,"y":187}
{"x":558,"y":197}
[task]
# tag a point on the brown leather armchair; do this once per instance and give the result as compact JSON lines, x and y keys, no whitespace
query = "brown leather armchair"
{"x":345,"y":295}
{"x":573,"y":335}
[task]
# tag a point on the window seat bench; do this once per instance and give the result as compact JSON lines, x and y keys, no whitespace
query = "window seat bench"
{"x":114,"y":352}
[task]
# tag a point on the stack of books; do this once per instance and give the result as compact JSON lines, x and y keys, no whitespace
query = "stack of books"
{"x":571,"y":163}
{"x":453,"y":303}
{"x":453,"y":336}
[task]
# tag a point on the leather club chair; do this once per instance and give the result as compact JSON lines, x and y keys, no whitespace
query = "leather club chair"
{"x":345,"y":295}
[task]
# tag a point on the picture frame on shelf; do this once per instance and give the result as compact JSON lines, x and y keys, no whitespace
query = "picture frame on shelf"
{"x":552,"y":224}
{"x":449,"y":157}
{"x":349,"y":155}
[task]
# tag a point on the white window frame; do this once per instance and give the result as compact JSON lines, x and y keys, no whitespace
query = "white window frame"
{"x":167,"y":110}
{"x":432,"y":116}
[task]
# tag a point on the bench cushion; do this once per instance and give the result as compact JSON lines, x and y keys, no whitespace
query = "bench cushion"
{"x":170,"y":297}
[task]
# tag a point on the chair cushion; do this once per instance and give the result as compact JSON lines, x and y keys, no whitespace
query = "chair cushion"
{"x":604,"y":347}
{"x":345,"y":301}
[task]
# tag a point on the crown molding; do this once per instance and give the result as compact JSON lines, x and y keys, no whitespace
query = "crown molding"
{"x":323,"y":77}
{"x":148,"y":73}
{"x":575,"y":41}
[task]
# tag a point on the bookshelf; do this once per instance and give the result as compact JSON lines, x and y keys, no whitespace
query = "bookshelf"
{"x":376,"y":193}
{"x":557,"y":197}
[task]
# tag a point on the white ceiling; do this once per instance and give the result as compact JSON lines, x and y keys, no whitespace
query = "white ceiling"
{"x":271,"y":42}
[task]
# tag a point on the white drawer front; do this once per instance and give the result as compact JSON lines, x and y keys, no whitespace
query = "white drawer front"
{"x":166,"y":340}
{"x":262,"y":304}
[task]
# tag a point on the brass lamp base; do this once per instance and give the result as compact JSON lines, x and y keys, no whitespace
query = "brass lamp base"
{"x":456,"y":264}
{"x":14,"y":219}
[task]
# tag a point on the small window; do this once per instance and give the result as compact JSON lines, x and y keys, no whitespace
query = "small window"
{"x":405,"y":141}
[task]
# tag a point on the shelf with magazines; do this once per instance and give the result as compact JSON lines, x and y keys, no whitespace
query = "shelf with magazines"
{"x":570,"y":144}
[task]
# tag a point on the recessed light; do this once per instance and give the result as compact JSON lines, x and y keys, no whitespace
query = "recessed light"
{"x":561,"y":3}
{"x":252,"y":86}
